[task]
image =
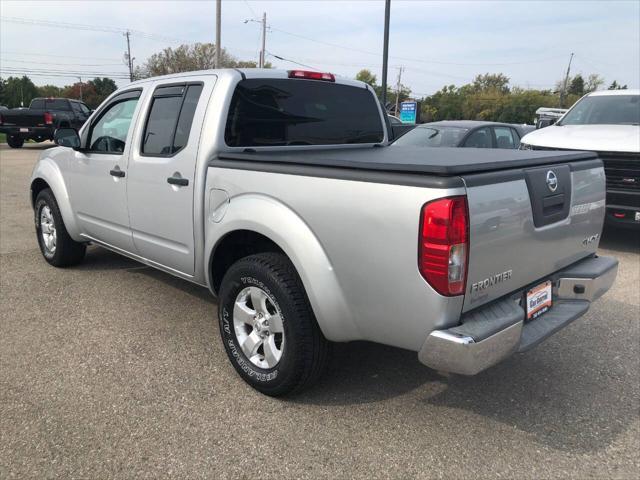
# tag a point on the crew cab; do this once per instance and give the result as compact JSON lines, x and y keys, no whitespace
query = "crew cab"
{"x":278,"y":192}
{"x":40,"y":121}
{"x":606,"y":122}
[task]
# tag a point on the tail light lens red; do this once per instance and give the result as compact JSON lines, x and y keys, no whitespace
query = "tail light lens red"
{"x":48,"y":118}
{"x":327,"y":77}
{"x":444,"y":244}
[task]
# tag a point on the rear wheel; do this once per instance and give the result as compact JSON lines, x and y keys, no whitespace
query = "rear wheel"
{"x":56,"y":246}
{"x":14,"y":141}
{"x":267,"y":325}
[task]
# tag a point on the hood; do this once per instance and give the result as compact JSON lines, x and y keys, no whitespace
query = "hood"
{"x":598,"y":138}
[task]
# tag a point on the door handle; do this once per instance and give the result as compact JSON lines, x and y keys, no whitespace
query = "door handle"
{"x":116,"y":172}
{"x":179,"y":181}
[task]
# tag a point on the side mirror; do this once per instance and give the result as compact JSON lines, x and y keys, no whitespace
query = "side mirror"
{"x":67,"y":137}
{"x":545,"y":122}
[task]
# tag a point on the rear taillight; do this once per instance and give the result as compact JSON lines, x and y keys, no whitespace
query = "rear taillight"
{"x":48,"y":118}
{"x":443,"y":251}
{"x":327,"y":77}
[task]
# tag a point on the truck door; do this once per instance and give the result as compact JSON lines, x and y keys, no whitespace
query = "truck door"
{"x":98,"y":175}
{"x":161,"y":176}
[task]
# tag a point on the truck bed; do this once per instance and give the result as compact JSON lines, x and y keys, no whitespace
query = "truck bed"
{"x":410,"y":159}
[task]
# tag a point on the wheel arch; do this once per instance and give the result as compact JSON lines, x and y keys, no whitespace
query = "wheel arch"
{"x":48,"y":175}
{"x":272,"y":226}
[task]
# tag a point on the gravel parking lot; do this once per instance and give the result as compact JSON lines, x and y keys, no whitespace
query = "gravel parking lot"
{"x":115,"y":370}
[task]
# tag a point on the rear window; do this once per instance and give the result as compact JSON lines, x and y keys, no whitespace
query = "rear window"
{"x":58,"y":105}
{"x":276,"y":112}
{"x":37,"y":104}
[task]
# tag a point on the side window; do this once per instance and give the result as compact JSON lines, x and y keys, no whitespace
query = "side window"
{"x":169,"y":120}
{"x":84,"y":109}
{"x":481,"y":138}
{"x":76,"y":107}
{"x":504,"y":137}
{"x":109,"y":133}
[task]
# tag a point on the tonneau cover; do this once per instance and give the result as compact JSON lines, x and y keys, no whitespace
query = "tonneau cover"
{"x":400,"y":158}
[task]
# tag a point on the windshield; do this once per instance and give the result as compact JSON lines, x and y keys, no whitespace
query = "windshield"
{"x":605,"y":110}
{"x":435,"y":136}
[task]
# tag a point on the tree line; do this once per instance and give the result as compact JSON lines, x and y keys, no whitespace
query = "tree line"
{"x":490,"y":97}
{"x":19,"y":91}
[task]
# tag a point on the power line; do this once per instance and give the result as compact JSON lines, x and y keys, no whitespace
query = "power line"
{"x":63,"y":64}
{"x":93,"y":28}
{"x":6,"y":52}
{"x":421,"y":60}
{"x":292,"y":61}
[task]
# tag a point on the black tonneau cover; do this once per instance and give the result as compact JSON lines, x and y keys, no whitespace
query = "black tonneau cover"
{"x":412,"y":159}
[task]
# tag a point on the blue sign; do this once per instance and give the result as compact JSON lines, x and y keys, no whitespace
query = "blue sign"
{"x":408,"y":112}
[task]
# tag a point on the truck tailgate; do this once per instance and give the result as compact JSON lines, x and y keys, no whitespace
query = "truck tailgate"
{"x":530,"y":222}
{"x":23,"y":118}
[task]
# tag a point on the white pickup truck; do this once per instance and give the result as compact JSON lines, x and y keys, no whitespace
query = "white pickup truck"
{"x":606,"y":122}
{"x":277,"y":191}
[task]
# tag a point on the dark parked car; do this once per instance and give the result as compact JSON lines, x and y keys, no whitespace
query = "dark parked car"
{"x":464,"y":133}
{"x":40,"y":121}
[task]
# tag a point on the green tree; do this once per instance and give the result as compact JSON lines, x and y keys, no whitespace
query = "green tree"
{"x":103,"y":86}
{"x":251,"y":64}
{"x":366,"y":76}
{"x":594,"y":81}
{"x":18,"y":92}
{"x":491,"y":82}
{"x":185,"y":58}
{"x":616,"y":86}
{"x":576,"y":87}
{"x":49,"y":91}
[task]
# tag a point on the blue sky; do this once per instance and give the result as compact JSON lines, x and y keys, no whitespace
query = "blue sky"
{"x":437,"y":43}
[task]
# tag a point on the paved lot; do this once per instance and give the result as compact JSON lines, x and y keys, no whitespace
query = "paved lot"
{"x":112,"y":369}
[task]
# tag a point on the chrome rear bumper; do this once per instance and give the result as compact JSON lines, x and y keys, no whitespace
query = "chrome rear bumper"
{"x":490,"y":334}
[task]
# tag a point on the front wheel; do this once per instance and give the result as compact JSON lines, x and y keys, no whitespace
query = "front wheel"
{"x":267,"y":325}
{"x":14,"y":141}
{"x":56,"y":246}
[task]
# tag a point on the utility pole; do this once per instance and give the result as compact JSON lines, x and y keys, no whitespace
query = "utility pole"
{"x":563,"y":92}
{"x":398,"y":89}
{"x":385,"y":52}
{"x":129,"y":59}
{"x":80,"y":78}
{"x":218,"y":34}
{"x":264,"y":39}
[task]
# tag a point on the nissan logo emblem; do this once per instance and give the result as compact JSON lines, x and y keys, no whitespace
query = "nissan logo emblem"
{"x":552,"y":181}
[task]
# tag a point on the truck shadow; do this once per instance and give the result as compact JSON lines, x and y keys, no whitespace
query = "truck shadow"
{"x":577,"y":392}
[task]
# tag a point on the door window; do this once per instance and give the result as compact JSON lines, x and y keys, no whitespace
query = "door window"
{"x":170,"y":118}
{"x":109,"y":133}
{"x":480,"y":138}
{"x":504,"y":137}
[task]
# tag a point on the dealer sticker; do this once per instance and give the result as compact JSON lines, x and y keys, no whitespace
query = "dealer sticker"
{"x":538,"y":300}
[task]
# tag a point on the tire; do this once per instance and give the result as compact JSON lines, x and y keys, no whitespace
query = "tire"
{"x":15,"y":142}
{"x":56,"y":246}
{"x":271,"y":280}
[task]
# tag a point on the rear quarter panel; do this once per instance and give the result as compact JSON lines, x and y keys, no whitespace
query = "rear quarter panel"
{"x":354,"y":244}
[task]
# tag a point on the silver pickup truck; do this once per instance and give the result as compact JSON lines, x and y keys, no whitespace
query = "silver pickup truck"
{"x":277,"y":191}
